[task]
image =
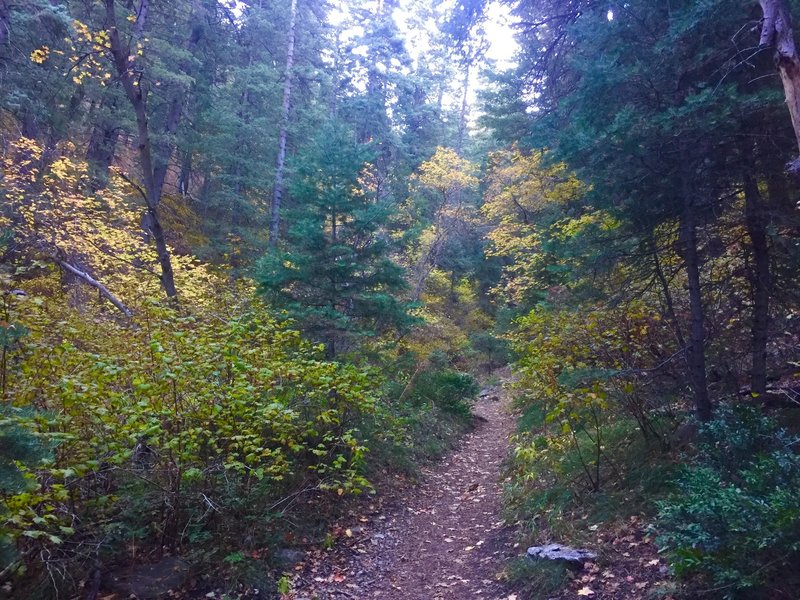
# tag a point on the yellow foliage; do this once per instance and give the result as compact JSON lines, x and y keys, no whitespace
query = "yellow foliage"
{"x":40,"y":55}
{"x":446,"y":172}
{"x":56,"y":218}
{"x":521,"y":187}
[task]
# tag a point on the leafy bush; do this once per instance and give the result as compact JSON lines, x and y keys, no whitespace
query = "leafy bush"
{"x":734,"y":521}
{"x":495,"y":351}
{"x":586,"y":370}
{"x":452,"y":391}
{"x":180,"y":429}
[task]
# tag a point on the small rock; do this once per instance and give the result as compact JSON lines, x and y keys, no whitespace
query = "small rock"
{"x":573,"y":556}
{"x":149,"y":581}
{"x":290,"y":556}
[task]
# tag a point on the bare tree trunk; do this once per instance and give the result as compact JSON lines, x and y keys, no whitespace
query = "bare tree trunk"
{"x":665,"y":291}
{"x":776,"y":33}
{"x":101,"y":148}
{"x":462,"y":121}
{"x":277,"y":192}
{"x":696,"y":349}
{"x":5,"y":22}
{"x":153,"y":180}
{"x":756,"y":221}
{"x":104,"y":291}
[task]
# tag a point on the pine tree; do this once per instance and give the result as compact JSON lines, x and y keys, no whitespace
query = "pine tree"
{"x":336,"y":278}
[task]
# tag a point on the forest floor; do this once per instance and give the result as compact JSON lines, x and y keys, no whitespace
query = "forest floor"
{"x":442,"y":539}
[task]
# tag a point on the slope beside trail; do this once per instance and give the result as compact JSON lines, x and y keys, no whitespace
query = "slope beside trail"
{"x":441,"y":539}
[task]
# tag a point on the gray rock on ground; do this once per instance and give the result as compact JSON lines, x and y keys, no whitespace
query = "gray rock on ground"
{"x":573,"y":556}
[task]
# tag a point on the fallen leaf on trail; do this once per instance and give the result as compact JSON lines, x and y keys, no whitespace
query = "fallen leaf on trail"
{"x":586,"y":591}
{"x":653,"y":562}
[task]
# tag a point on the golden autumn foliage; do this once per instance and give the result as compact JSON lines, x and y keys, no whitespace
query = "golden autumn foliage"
{"x":55,"y":217}
{"x":212,"y":411}
{"x":522,"y":195}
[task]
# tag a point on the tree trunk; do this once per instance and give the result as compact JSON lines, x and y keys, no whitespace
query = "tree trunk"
{"x":101,"y":148}
{"x":5,"y":22}
{"x":277,"y":192}
{"x":104,"y":291}
{"x":164,"y":150}
{"x":153,"y":188}
{"x":665,"y":291}
{"x":696,"y":349}
{"x":756,"y":221}
{"x":462,"y":120}
{"x":776,"y":33}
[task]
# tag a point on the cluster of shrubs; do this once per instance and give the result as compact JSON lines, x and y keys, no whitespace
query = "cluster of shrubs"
{"x":190,"y":432}
{"x":733,"y":523}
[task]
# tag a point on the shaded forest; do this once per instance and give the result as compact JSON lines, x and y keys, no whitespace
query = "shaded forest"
{"x":259,"y":257}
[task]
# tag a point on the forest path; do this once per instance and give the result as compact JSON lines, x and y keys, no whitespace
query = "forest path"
{"x":443,"y":539}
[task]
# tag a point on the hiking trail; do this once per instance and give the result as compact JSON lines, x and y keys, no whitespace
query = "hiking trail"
{"x":442,"y":539}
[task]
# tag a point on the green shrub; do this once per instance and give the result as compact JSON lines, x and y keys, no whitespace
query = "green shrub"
{"x":734,"y":521}
{"x":424,"y":416}
{"x":17,"y":446}
{"x":549,"y":491}
{"x":495,"y":351}
{"x":185,"y":431}
{"x":452,"y":391}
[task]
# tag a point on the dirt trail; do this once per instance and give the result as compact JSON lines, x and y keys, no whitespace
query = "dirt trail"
{"x":443,"y":539}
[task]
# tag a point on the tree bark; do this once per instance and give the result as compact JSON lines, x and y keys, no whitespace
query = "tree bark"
{"x":665,"y":291}
{"x":776,"y":33}
{"x":462,"y":118}
{"x":102,"y":145}
{"x":696,"y":349}
{"x":756,"y":222}
{"x":153,"y":179}
{"x":104,"y":291}
{"x":277,"y":192}
{"x":5,"y":22}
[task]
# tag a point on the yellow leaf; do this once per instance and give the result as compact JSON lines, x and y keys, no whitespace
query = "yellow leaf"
{"x":40,"y":55}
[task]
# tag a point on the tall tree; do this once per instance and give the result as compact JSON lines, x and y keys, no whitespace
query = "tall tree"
{"x":664,"y":145}
{"x":336,"y":276}
{"x":777,"y":34}
{"x":153,"y":164}
{"x":275,"y":218}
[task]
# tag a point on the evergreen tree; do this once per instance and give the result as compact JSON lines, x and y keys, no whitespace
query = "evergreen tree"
{"x":665,"y":145}
{"x":336,"y":277}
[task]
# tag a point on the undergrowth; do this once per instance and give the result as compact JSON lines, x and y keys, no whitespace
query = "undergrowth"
{"x":732,"y":525}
